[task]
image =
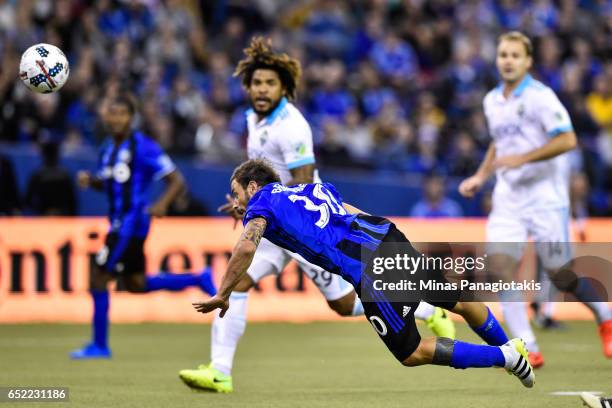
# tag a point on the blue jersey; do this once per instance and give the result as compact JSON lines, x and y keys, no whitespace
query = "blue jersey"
{"x":127,"y":170}
{"x":309,"y":219}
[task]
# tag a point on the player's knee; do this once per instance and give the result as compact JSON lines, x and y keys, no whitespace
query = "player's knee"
{"x":564,"y":279}
{"x":344,"y":305}
{"x":99,"y":279}
{"x":418,"y":358}
{"x":423,"y":354}
{"x":135,"y":284}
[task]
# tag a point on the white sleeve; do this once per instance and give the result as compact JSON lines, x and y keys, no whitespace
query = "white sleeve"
{"x":554,"y":117}
{"x":295,"y":143}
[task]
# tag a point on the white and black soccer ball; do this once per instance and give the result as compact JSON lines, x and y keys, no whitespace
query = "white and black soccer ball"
{"x":44,"y":68}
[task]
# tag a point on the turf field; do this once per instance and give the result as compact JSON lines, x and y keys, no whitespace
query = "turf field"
{"x":286,"y":365}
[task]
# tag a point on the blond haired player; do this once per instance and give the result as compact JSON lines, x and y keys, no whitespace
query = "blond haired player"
{"x":530,"y":131}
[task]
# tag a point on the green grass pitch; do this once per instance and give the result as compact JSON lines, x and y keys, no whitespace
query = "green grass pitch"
{"x":288,"y":365}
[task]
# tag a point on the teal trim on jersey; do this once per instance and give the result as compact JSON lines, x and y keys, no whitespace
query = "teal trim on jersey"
{"x":527,"y":81}
{"x":277,"y":111}
{"x":560,"y":129}
{"x":301,"y":162}
{"x":524,"y":84}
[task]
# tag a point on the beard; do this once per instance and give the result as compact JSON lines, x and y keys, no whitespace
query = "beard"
{"x":265,"y":112}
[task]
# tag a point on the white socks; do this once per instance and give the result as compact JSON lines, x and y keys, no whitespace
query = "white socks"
{"x":515,"y":317}
{"x":424,"y":311}
{"x":227,"y":331}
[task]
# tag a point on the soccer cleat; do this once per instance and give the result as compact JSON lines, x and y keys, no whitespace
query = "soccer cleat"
{"x":91,"y":351}
{"x":206,"y":282}
{"x":536,"y":359}
{"x":207,"y":378}
{"x":440,"y":324}
{"x":605,"y":332}
{"x":517,"y":362}
{"x":593,"y":401}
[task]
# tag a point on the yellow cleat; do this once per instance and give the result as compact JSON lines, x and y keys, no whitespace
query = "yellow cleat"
{"x":440,"y":324}
{"x":207,"y":378}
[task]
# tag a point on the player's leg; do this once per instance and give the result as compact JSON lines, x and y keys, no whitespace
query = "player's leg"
{"x":339,"y":294}
{"x":226,"y":332}
{"x":401,"y":336}
{"x":106,"y":260}
{"x":551,"y":232}
{"x":506,"y":238}
{"x":436,"y":319}
{"x":342,"y":299}
{"x":544,"y":303}
{"x":137,"y":281}
{"x":179,"y":281}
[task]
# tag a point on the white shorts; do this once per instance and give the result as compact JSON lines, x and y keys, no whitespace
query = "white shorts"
{"x":549,"y":229}
{"x":271,"y":259}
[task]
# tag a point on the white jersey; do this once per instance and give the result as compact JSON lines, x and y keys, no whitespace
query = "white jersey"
{"x":283,"y":138}
{"x":525,"y":121}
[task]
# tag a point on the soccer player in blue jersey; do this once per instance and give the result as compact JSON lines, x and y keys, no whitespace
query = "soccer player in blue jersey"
{"x":128,"y":164}
{"x":312,"y":220}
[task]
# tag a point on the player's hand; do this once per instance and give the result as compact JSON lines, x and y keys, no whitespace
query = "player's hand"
{"x":471,"y":186}
{"x":158,"y":210}
{"x":229,"y":209}
{"x":212,"y":304}
{"x":84,"y":179}
{"x":509,"y":162}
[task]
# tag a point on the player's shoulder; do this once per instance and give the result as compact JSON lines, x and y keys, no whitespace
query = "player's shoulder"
{"x":287,"y":114}
{"x":538,"y":88}
{"x":146,"y":143}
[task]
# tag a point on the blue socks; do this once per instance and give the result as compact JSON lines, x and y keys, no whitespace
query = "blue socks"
{"x":491,"y":331}
{"x":170,"y":281}
{"x":467,"y":355}
{"x":100,"y":318}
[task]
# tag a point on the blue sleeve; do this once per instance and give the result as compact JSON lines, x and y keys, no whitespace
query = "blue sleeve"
{"x":260,"y":206}
{"x":157,"y":163}
{"x":332,"y":189}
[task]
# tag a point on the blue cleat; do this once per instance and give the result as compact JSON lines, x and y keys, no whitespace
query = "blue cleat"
{"x":206,"y":282}
{"x":91,"y":351}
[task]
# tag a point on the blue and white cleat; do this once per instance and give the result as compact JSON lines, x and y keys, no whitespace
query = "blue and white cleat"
{"x":91,"y":351}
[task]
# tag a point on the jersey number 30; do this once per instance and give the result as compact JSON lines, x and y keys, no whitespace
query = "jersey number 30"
{"x":329,"y":205}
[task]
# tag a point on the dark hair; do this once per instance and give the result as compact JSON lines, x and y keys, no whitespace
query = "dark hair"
{"x":257,"y":170}
{"x":126,"y":100}
{"x":259,"y":55}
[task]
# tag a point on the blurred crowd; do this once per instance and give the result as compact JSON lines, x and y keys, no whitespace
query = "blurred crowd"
{"x":388,"y":85}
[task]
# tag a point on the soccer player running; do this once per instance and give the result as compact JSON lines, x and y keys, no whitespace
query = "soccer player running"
{"x":531,"y":130}
{"x":312,"y":220}
{"x":129,"y":163}
{"x":278,"y":132}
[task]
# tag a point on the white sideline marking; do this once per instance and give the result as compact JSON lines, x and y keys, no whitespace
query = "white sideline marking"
{"x":566,"y":393}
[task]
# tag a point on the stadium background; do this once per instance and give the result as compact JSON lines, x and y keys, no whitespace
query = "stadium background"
{"x":393,"y":92}
{"x":391,"y":89}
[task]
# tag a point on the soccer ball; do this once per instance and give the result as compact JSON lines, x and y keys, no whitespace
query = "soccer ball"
{"x":43,"y":68}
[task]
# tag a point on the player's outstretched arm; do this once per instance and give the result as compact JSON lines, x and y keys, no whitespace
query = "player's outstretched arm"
{"x":242,"y":256}
{"x":557,"y":145}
